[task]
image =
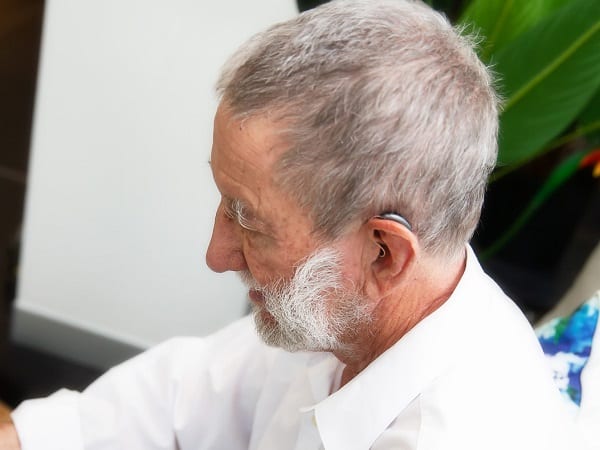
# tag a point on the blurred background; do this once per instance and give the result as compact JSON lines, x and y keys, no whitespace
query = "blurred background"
{"x":20,"y":32}
{"x":540,"y":225}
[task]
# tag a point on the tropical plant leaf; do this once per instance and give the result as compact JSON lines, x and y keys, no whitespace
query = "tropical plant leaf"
{"x":501,"y":21}
{"x":591,"y":113}
{"x":589,"y":120}
{"x":588,"y":126}
{"x":557,"y":178}
{"x":549,"y":74}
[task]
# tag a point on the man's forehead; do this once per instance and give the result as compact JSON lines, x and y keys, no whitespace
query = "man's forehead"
{"x":245,"y":149}
{"x":244,"y":156}
{"x":262,"y":133}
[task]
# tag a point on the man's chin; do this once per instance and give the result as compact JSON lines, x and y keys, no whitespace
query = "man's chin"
{"x":256,"y":297}
{"x":263,"y":318}
{"x":267,"y":327}
{"x":271,"y":333}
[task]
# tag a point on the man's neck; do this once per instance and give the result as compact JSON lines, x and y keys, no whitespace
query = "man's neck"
{"x":427,"y":288}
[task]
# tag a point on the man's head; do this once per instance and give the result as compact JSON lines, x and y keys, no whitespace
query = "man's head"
{"x":302,"y":285}
{"x":384,"y":107}
{"x":348,"y":111}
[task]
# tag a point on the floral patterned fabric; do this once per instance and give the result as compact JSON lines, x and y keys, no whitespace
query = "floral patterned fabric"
{"x":567,"y":342}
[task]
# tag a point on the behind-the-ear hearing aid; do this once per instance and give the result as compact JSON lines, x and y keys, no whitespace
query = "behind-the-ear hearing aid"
{"x":396,"y":218}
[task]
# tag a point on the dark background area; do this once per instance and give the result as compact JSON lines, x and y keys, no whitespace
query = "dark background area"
{"x":563,"y":232}
{"x":541,"y":262}
{"x":24,"y":373}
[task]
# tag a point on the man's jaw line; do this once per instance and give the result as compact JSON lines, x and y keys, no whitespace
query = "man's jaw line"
{"x":289,"y":313}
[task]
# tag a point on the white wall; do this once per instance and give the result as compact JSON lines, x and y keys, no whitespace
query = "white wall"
{"x":120,"y":200}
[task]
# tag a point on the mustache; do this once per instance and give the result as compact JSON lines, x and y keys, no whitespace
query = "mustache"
{"x":320,"y":267}
{"x":249,"y":281}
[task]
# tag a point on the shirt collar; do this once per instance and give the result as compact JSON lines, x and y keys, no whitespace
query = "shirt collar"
{"x":369,"y":403}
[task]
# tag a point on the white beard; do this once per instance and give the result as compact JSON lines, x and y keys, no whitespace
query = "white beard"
{"x":312,"y":311}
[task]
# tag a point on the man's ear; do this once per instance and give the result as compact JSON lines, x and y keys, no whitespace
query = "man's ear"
{"x":391,"y":251}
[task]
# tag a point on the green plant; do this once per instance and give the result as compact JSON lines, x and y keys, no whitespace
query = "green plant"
{"x":547,"y":56}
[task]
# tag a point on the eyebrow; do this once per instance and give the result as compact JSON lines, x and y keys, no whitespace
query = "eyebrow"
{"x":238,"y":209}
{"x":243,"y":214}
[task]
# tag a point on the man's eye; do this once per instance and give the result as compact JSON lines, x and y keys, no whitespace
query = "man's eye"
{"x":229,"y":213}
{"x":245,"y":224}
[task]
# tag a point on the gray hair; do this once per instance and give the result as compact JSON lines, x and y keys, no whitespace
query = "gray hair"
{"x":384,"y":106}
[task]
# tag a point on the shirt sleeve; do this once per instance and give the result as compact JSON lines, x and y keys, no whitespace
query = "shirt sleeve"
{"x":180,"y":394}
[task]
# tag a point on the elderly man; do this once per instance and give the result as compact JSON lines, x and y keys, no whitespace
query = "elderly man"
{"x":351,"y":150}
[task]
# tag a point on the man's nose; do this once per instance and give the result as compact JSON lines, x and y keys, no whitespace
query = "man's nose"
{"x":225,"y":250}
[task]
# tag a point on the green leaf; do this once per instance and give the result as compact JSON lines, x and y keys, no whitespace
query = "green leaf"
{"x":549,"y":74}
{"x":557,"y":178}
{"x":501,"y":21}
{"x":588,"y":126}
{"x":589,"y":120}
{"x":591,"y":113}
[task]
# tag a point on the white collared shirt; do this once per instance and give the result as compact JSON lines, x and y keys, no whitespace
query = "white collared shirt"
{"x":471,"y":376}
